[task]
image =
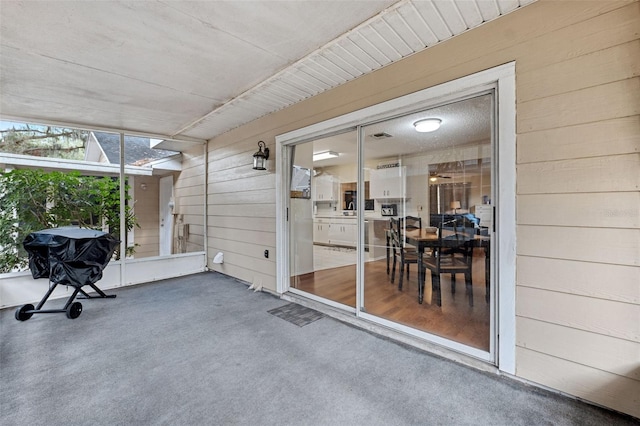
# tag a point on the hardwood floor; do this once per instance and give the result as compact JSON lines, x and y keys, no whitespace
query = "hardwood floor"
{"x":454,"y":320}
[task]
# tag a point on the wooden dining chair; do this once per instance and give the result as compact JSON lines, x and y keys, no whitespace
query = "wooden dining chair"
{"x":387,"y":233}
{"x":452,"y":255}
{"x":406,"y":253}
{"x":411,"y":222}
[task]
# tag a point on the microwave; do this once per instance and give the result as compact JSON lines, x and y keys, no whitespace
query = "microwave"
{"x":389,"y":210}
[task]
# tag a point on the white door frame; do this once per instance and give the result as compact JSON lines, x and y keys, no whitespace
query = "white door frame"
{"x":502,"y":80}
{"x":165,"y":212}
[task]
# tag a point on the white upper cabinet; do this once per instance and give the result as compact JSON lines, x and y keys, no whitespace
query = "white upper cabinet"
{"x":325,"y":188}
{"x":387,"y":183}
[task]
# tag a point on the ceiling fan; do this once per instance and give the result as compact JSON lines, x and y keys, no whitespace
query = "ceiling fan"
{"x":434,"y":176}
{"x":444,"y":170}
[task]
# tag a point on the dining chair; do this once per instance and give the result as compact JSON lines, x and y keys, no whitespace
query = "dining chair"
{"x":387,"y":233}
{"x":452,"y":255}
{"x":406,"y":253}
{"x":411,"y":222}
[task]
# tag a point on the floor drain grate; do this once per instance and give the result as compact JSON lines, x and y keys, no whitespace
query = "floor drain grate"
{"x":296,"y":314}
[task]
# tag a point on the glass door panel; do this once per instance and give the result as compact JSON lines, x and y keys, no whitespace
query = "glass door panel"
{"x":323,"y":227}
{"x":432,"y":212}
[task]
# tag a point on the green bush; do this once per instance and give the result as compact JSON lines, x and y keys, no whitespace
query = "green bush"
{"x":32,"y":200}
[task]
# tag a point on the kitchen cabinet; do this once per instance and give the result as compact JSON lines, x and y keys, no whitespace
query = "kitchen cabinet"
{"x":325,"y":188}
{"x":343,"y":232}
{"x":321,"y":231}
{"x":388,"y":183}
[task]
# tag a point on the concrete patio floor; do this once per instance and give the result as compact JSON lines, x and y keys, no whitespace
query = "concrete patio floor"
{"x":202,"y":349}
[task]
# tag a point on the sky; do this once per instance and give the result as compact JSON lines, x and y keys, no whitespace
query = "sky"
{"x":4,"y":125}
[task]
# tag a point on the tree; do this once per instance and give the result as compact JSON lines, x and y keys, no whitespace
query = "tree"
{"x":44,"y":141}
{"x":32,"y":200}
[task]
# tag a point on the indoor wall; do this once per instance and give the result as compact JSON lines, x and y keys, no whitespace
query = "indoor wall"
{"x":578,"y":175}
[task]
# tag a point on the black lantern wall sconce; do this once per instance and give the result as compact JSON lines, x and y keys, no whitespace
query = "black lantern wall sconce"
{"x":260,"y":158}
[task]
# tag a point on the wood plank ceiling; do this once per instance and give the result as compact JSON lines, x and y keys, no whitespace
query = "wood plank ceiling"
{"x":194,"y":70}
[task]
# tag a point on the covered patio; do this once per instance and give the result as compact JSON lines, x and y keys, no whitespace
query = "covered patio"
{"x":185,"y":342}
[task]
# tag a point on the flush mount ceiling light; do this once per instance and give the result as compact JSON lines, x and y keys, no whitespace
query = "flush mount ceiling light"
{"x":427,"y":125}
{"x":325,"y":155}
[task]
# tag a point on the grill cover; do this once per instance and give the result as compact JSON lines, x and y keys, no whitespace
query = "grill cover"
{"x":69,"y":256}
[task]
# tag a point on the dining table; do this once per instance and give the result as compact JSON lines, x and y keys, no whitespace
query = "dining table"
{"x":428,"y":238}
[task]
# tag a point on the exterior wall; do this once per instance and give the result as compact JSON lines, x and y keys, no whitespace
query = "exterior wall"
{"x":578,"y":181}
{"x":241,"y":209}
{"x":189,"y":208}
{"x":189,"y":201}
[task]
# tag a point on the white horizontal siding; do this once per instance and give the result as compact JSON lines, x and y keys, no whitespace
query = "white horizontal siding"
{"x":578,"y":174}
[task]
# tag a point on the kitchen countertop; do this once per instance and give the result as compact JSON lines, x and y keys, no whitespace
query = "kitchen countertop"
{"x":340,"y":216}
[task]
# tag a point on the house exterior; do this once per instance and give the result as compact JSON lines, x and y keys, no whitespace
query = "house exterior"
{"x":577,"y":234}
{"x":104,"y":147}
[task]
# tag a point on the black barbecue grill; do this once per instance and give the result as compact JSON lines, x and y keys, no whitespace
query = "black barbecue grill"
{"x":68,"y":256}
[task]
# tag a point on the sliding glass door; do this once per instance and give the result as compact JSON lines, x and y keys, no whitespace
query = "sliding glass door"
{"x":323,"y":200}
{"x":412,"y":218}
{"x":428,"y":249}
{"x":398,"y":223}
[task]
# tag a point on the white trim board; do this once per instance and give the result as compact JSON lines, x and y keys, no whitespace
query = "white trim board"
{"x":92,"y":168}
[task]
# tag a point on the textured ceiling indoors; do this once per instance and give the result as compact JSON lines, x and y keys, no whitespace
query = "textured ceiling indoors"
{"x":464,"y":123}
